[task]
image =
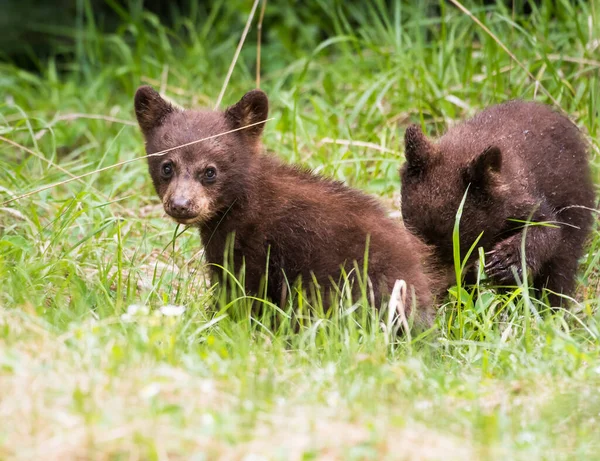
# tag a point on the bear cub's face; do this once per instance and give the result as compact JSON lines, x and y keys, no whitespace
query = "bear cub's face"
{"x":433,"y":186}
{"x":198,"y":180}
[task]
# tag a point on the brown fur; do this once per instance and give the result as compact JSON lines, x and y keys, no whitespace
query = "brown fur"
{"x":521,"y":160}
{"x":307,"y":226}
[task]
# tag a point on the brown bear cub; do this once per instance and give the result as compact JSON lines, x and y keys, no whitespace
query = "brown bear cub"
{"x":522,"y":162}
{"x":287,"y":222}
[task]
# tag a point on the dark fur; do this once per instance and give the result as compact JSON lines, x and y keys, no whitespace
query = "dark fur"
{"x":308,"y":225}
{"x":523,"y":161}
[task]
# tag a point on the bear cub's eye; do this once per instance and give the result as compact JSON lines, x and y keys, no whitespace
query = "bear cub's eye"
{"x":210,"y":174}
{"x":167,"y":170}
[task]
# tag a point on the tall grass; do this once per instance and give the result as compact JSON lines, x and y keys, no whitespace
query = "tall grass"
{"x":85,"y":374}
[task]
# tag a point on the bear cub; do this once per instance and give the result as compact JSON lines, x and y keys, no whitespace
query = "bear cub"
{"x":522,"y":162}
{"x":287,"y":223}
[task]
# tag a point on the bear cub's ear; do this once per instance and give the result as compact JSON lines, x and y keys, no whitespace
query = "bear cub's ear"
{"x":417,"y":149}
{"x":150,"y":108}
{"x":252,"y":108}
{"x":480,"y":173}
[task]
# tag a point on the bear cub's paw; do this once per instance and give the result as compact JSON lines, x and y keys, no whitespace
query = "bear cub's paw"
{"x":504,"y":261}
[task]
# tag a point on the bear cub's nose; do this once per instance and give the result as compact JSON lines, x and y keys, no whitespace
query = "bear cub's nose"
{"x":180,"y":207}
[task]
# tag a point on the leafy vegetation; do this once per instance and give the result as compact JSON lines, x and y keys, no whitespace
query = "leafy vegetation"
{"x":98,"y":362}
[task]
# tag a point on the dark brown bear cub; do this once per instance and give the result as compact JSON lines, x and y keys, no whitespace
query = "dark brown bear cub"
{"x":521,"y":161}
{"x":287,"y":222}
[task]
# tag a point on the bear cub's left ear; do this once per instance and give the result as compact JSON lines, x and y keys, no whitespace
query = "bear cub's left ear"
{"x":150,"y":108}
{"x":417,"y":150}
{"x":252,"y":108}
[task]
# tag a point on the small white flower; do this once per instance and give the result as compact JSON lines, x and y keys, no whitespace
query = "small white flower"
{"x":423,"y":405}
{"x":526,"y":437}
{"x":172,"y":311}
{"x":151,"y":390}
{"x":253,"y":457}
{"x":207,"y":386}
{"x":208,"y":419}
{"x":333,"y":398}
{"x":132,"y":311}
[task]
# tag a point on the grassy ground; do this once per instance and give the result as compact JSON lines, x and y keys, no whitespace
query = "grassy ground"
{"x":83,"y":375}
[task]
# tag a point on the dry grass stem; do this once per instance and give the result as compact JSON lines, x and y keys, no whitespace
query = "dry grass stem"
{"x":259,"y":41}
{"x":350,"y":143}
{"x":237,"y":54}
{"x":505,"y":48}
{"x":124,"y":162}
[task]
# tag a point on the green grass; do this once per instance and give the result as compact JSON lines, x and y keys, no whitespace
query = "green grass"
{"x":501,"y":376}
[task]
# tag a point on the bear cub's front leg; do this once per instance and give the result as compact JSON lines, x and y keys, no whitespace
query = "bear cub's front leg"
{"x":541,"y":234}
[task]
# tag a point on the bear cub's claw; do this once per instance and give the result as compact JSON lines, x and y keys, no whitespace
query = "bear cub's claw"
{"x":504,"y":261}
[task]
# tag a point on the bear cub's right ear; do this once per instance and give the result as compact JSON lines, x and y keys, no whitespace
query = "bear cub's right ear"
{"x":253,"y":108}
{"x":150,"y":108}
